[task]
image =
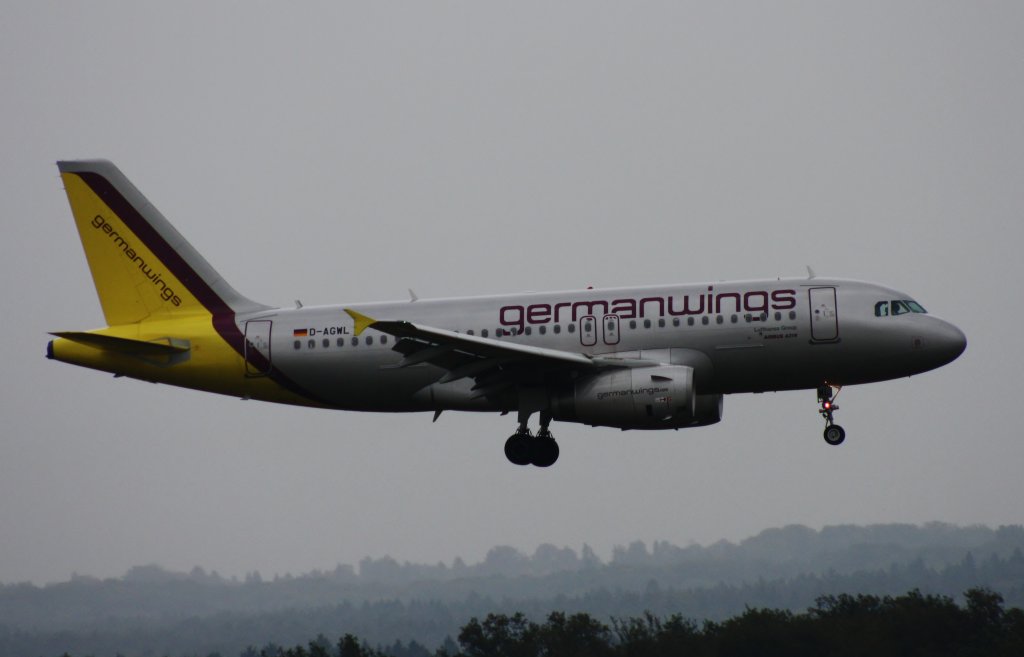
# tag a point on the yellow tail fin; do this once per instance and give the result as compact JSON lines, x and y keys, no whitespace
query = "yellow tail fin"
{"x":142,"y":267}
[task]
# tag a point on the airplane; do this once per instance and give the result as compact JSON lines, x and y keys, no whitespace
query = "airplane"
{"x":657,"y":357}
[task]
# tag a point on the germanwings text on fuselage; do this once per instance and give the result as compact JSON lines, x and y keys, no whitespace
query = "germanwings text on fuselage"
{"x":755,"y":301}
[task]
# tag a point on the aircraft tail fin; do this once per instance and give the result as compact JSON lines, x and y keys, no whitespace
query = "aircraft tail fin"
{"x":142,"y":267}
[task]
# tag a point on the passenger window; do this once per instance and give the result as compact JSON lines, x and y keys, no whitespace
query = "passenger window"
{"x":661,"y":323}
{"x":733,"y":319}
{"x":383,"y":339}
{"x":483,"y":333}
{"x":369,"y":340}
{"x":469,"y":332}
{"x":747,"y":318}
{"x":529,"y":330}
{"x":355,"y":342}
{"x":571,"y":328}
{"x":792,"y":314}
{"x":311,"y":344}
{"x":542,"y":329}
{"x":719,"y":319}
{"x":675,"y":321}
{"x":632,"y":323}
{"x":647,"y":323}
{"x":341,"y":342}
{"x":778,"y":316}
{"x":558,"y":328}
{"x":689,"y":320}
{"x":298,"y":344}
{"x":327,"y":343}
{"x":704,"y":320}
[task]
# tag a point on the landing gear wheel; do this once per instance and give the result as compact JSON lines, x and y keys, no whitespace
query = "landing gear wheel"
{"x":545,"y":452}
{"x":834,"y":434}
{"x":517,"y":449}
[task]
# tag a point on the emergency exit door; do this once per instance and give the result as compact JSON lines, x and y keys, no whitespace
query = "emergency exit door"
{"x":610,"y":329}
{"x":588,"y":331}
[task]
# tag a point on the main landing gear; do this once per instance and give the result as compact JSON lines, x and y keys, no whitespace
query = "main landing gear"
{"x":524,"y":448}
{"x":834,"y":434}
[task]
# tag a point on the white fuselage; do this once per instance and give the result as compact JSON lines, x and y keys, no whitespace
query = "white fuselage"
{"x":739,"y":336}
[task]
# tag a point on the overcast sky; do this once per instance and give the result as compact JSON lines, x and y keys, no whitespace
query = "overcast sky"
{"x":343,"y":152}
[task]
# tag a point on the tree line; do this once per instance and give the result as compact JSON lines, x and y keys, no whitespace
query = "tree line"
{"x":904,"y":556}
{"x":152,"y":611}
{"x":906,"y":626}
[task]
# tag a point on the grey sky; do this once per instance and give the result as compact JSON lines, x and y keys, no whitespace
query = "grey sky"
{"x":339,"y":152}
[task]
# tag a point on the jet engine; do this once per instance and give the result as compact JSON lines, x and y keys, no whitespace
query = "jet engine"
{"x":707,"y":409}
{"x":660,"y":397}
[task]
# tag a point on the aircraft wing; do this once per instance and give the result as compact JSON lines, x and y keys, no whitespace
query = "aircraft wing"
{"x":494,"y":364}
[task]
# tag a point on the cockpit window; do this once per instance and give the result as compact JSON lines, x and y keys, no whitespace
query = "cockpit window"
{"x":898,"y":307}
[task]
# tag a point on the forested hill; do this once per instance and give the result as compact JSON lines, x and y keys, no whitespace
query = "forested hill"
{"x":153,"y":610}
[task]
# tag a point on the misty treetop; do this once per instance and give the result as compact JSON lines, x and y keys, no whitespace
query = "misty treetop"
{"x":905,"y":626}
{"x":154,"y":611}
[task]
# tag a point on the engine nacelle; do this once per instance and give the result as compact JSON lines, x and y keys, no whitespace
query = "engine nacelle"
{"x":660,"y":397}
{"x":707,"y":409}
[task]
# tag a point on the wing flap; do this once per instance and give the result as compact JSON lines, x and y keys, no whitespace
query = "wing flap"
{"x":470,"y":344}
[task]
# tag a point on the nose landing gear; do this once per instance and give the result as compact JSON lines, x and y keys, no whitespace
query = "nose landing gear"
{"x":524,"y":448}
{"x":834,"y":434}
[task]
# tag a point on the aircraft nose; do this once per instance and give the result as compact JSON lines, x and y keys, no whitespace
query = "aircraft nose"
{"x":947,"y":341}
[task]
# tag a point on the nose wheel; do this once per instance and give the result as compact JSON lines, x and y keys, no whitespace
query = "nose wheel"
{"x":833,"y":434}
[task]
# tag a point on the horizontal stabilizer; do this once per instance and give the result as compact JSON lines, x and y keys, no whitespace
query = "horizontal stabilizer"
{"x":163,"y":347}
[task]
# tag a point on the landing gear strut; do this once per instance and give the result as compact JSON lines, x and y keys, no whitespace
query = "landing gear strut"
{"x":834,"y":434}
{"x":524,"y":448}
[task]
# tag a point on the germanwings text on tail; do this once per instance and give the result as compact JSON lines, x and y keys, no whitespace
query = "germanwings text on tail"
{"x":657,"y":357}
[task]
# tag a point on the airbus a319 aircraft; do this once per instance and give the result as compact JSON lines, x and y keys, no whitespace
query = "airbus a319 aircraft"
{"x":633,"y":358}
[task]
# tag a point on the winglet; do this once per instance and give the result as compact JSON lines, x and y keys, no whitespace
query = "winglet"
{"x":362,"y":321}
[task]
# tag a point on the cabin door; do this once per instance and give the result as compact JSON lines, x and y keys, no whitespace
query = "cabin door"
{"x":257,"y":347}
{"x":824,"y":315}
